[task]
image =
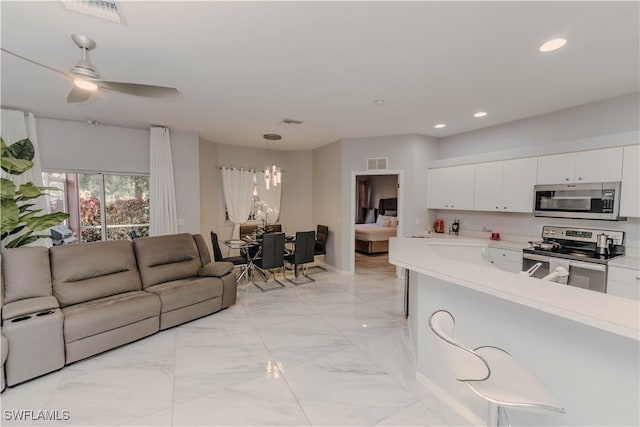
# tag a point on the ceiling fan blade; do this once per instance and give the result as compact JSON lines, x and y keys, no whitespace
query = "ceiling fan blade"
{"x":147,"y":91}
{"x":64,"y":73}
{"x":78,"y":95}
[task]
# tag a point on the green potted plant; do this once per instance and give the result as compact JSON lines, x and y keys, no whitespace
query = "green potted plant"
{"x":20,"y":220}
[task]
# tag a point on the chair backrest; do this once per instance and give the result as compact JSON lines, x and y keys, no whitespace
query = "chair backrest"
{"x":305,"y":247}
{"x":217,"y":253}
{"x":272,"y":250}
{"x":322,"y":233}
{"x":246,"y":230}
{"x":465,"y":363}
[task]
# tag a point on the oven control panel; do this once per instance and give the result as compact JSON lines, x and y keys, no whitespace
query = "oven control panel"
{"x":586,"y":235}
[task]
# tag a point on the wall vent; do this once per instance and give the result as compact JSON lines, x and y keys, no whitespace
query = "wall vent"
{"x":103,"y":9}
{"x":377,"y":163}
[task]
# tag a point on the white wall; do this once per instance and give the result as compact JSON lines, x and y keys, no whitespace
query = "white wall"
{"x":610,"y":122}
{"x":611,"y":116}
{"x":77,"y":146}
{"x":410,"y":154}
{"x":382,"y":187}
{"x":327,"y":194}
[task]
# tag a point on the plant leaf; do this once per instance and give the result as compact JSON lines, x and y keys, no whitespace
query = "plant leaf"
{"x":10,"y":214}
{"x":29,"y":191}
{"x":3,"y":144}
{"x":15,"y":166}
{"x":25,"y":239}
{"x":8,"y":188}
{"x":23,"y":207}
{"x":22,"y":149}
{"x":42,"y":222}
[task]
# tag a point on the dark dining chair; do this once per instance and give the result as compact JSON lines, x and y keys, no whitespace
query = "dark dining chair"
{"x":238,"y":261}
{"x":322,"y":234}
{"x":303,"y":254}
{"x":272,"y":257}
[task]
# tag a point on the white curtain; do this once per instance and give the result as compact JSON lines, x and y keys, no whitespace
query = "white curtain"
{"x":237,"y":185}
{"x":16,"y":128}
{"x":162,"y":193}
{"x":271,"y":196}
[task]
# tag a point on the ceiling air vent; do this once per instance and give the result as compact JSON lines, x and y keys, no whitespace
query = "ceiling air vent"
{"x":103,"y":9}
{"x":379,"y":163}
{"x":291,"y":122}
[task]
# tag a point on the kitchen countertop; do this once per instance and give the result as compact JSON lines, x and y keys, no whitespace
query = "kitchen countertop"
{"x":630,"y":262}
{"x":610,"y":313}
{"x":517,"y":244}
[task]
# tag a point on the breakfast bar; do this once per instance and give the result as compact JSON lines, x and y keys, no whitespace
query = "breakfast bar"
{"x":583,"y":345}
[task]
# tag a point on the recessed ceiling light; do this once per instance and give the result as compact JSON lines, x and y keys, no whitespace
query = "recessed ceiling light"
{"x":552,"y":45}
{"x":480,"y":114}
{"x":440,"y":126}
{"x":379,"y":102}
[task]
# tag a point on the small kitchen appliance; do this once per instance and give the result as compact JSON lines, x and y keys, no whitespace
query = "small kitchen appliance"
{"x":584,"y":252}
{"x":455,"y":227}
{"x":438,"y":226}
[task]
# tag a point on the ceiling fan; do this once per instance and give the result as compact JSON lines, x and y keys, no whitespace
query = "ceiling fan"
{"x":86,"y":79}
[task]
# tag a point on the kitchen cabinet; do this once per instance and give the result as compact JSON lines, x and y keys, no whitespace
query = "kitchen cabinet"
{"x":505,"y":186}
{"x":603,"y":165}
{"x":452,"y":187}
{"x":624,"y":282}
{"x":630,"y":192}
{"x":506,"y":259}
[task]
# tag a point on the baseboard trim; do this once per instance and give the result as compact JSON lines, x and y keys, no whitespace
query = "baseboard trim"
{"x":457,"y":409}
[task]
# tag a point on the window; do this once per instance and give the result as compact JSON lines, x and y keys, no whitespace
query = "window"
{"x":103,"y":206}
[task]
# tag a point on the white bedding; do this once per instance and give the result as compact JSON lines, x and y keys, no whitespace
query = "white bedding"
{"x":374,"y":232}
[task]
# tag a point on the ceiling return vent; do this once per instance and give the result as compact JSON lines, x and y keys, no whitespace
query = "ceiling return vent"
{"x":103,"y":9}
{"x":378,"y":163}
{"x":291,"y":122}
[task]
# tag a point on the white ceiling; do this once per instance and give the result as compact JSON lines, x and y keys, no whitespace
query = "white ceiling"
{"x":241,"y":67}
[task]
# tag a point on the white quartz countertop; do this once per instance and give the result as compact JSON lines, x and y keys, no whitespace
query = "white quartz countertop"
{"x":610,"y":313}
{"x":630,"y":262}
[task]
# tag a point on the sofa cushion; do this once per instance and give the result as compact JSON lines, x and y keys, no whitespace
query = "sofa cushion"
{"x":4,"y":347}
{"x":26,"y":273}
{"x":105,"y":314}
{"x":28,"y":306}
{"x":203,"y":249}
{"x":216,"y":269}
{"x":166,"y":258}
{"x":88,"y":271}
{"x":185,"y":292}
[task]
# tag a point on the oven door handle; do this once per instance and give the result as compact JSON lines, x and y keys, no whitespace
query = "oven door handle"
{"x":588,"y":266}
{"x":536,"y":257}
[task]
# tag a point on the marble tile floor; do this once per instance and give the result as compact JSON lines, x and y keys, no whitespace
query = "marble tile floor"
{"x":333,"y":352}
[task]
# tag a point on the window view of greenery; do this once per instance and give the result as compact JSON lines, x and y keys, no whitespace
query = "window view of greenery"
{"x":56,"y":200}
{"x":124,"y":199}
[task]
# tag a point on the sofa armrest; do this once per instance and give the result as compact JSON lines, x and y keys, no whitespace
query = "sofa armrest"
{"x":216,"y":269}
{"x":28,"y":306}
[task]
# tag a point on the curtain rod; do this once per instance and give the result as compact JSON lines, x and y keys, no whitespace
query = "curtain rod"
{"x":244,"y":168}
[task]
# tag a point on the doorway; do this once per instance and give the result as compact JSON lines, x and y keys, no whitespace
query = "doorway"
{"x":375,"y":213}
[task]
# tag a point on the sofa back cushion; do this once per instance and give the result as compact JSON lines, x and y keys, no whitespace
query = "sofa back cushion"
{"x":87,"y":271}
{"x":166,"y":258}
{"x":26,"y":273}
{"x":203,"y":249}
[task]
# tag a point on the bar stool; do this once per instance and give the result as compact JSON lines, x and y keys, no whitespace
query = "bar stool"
{"x":491,"y":373}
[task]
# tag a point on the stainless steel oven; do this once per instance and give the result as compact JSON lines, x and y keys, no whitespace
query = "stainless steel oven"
{"x":585,"y":201}
{"x":586,"y":275}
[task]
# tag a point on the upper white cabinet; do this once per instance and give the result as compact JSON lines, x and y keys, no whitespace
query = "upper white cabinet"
{"x":505,"y":186}
{"x":452,"y":187}
{"x":629,"y":196}
{"x":584,"y":166}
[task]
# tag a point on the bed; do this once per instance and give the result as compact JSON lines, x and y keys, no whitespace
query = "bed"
{"x":374,"y":238}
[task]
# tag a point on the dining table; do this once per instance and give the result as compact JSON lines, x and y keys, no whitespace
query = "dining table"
{"x":246,"y":244}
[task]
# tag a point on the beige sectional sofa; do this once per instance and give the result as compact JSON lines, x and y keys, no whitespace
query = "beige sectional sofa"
{"x":79,"y":300}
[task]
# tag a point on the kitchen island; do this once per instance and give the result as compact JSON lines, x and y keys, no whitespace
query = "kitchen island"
{"x":583,"y":345}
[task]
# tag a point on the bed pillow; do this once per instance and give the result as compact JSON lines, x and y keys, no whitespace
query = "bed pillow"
{"x":393,"y":222}
{"x":391,"y":213}
{"x":381,"y":220}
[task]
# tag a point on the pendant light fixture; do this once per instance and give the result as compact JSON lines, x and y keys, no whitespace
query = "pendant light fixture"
{"x":272,"y":173}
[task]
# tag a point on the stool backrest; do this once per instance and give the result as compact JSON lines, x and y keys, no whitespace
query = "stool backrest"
{"x":465,"y":363}
{"x":272,"y":250}
{"x":305,"y":247}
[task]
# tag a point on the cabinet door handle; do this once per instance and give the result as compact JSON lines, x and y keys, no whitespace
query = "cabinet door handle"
{"x":497,"y":207}
{"x":566,"y":179}
{"x":579,"y":178}
{"x":637,"y":277}
{"x":505,"y":207}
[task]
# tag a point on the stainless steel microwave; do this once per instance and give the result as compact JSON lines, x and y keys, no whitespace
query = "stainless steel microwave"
{"x":581,"y":201}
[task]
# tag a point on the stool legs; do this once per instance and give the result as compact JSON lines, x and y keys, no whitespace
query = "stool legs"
{"x":494,"y":412}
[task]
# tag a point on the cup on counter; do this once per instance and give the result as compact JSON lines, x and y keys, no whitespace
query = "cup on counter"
{"x":495,"y":236}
